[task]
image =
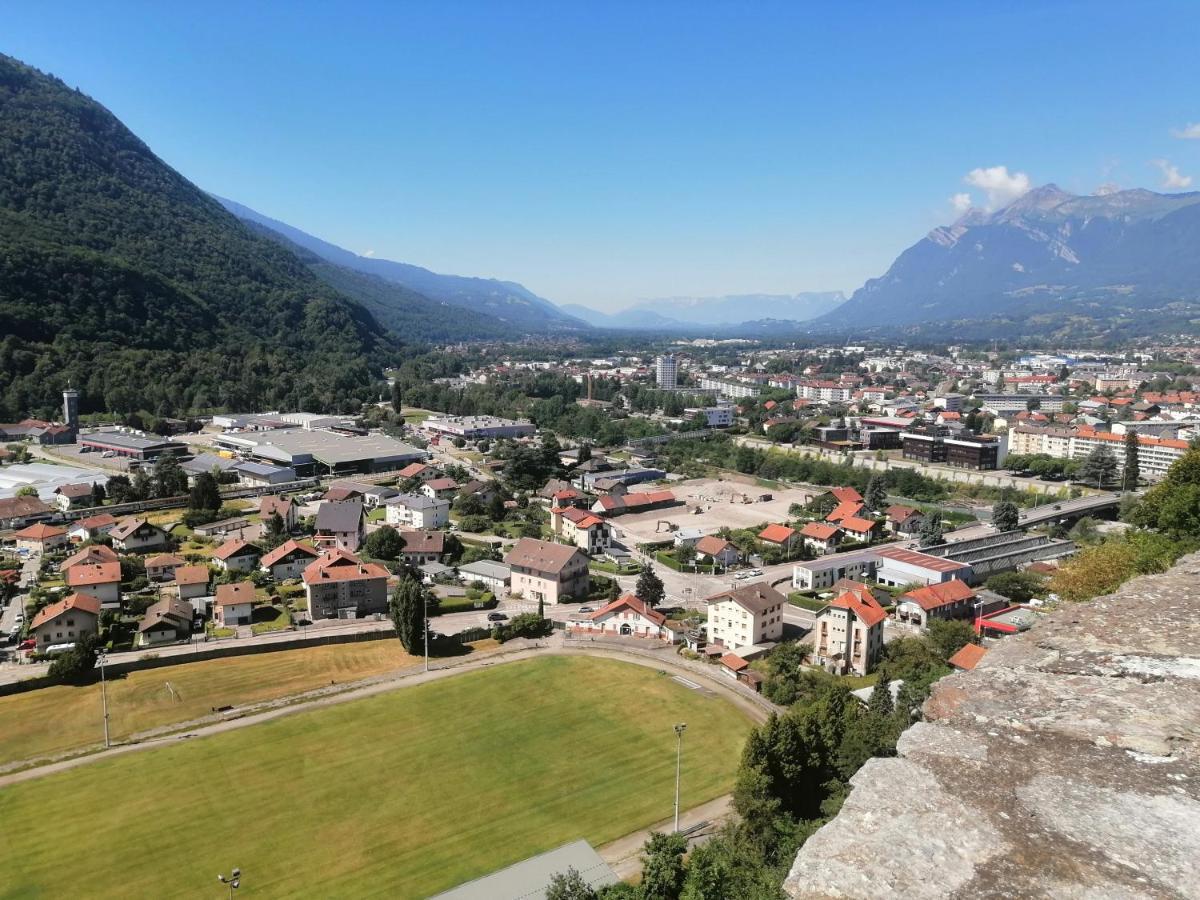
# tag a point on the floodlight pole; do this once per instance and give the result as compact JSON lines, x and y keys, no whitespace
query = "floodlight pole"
{"x":233,"y":880}
{"x":104,"y":698}
{"x":679,"y":729}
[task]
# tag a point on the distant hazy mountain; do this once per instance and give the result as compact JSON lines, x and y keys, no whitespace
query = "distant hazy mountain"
{"x":1048,"y":261}
{"x":705,"y":312}
{"x":505,"y":300}
{"x":734,"y":308}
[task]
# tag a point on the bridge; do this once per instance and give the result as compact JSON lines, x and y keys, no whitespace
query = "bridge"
{"x":1069,"y":509}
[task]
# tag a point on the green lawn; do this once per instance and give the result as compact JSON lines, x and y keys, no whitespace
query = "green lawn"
{"x":402,"y":795}
{"x":798,"y":598}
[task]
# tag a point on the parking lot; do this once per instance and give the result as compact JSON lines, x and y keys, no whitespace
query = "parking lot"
{"x":720,"y":503}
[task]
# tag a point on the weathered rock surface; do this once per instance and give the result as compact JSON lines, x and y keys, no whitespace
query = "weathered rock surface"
{"x":1067,"y":764}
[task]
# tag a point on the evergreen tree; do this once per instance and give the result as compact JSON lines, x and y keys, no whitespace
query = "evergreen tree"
{"x":876,"y":497}
{"x":169,"y":478}
{"x":1006,"y":516}
{"x":1133,"y":467}
{"x":98,"y":493}
{"x":407,"y":608}
{"x":141,"y":488}
{"x":397,"y":397}
{"x":932,"y":531}
{"x":205,"y":494}
{"x":649,"y":588}
{"x":274,"y":532}
{"x":881,"y":703}
{"x":1100,"y":466}
{"x":119,"y":488}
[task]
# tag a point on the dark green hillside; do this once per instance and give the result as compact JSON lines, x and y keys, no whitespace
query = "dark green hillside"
{"x":120,"y":275}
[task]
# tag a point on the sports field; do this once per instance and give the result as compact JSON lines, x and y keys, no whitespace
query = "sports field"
{"x":402,"y":794}
{"x":61,"y":719}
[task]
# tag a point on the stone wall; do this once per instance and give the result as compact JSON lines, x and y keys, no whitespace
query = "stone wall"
{"x":1067,"y":764}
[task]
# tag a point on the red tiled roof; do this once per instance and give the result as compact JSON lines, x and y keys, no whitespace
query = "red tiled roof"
{"x":733,"y":661}
{"x":341,"y":566}
{"x":39,"y":532}
{"x":858,"y":525}
{"x":233,"y":548}
{"x":191,"y":575}
{"x":898,"y":513}
{"x":234,"y":594}
{"x":164,"y":559}
{"x":818,"y":531}
{"x":777,"y":534}
{"x":711,"y":545}
{"x":863,"y":604}
{"x":540,"y":556}
{"x":95,"y":573}
{"x":286,"y":548}
{"x":83,"y":602}
{"x":934,"y":596}
{"x":632,"y":602}
{"x":845,"y":510}
{"x":846,"y":495}
{"x":97,"y":521}
{"x":424,"y":541}
{"x":90,"y":553}
{"x":968,"y":656}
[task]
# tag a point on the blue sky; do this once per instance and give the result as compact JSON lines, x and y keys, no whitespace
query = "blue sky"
{"x":601,"y":153}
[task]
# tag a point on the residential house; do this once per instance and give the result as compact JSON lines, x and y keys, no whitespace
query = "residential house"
{"x":17,"y":512}
{"x":782,"y":537}
{"x":904,"y":519}
{"x":745,"y":616}
{"x":967,"y":657}
{"x":584,"y":529}
{"x":285,"y":507}
{"x":340,"y":525}
{"x":860,"y":529}
{"x":848,"y":633}
{"x":947,"y":600}
{"x":717,"y":549}
{"x":165,"y":622}
{"x":92,"y":553}
{"x":375,"y":495}
{"x":848,"y":509}
{"x":417,"y":470}
{"x":553,"y":573}
{"x":821,"y":537}
{"x":439,"y":488}
{"x":338,"y":585}
{"x":627,"y":616}
{"x":237,"y":556}
{"x":288,"y":560}
{"x":136,"y":535}
{"x":162,"y":566}
{"x":74,"y":496}
{"x":101,"y":580}
{"x":417,"y":511}
{"x":191,"y":582}
{"x":90,"y":528}
{"x":687,"y":537}
{"x":421,"y":547}
{"x":66,"y":621}
{"x":41,"y":538}
{"x":235,"y":604}
{"x":494,"y":576}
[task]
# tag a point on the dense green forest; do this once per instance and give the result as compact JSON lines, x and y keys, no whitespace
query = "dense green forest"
{"x":119,"y":275}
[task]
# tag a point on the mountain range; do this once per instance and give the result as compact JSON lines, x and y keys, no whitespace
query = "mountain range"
{"x":501,"y":301}
{"x":1051,"y":262}
{"x":692,"y":313}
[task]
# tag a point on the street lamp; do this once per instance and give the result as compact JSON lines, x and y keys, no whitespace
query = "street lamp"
{"x":679,"y":730}
{"x":234,"y":880}
{"x":100,"y":656}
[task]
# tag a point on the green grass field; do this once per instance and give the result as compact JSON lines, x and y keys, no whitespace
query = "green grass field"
{"x":60,"y":719}
{"x":402,"y":795}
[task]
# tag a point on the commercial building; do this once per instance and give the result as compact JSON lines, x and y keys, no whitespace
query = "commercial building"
{"x":962,"y":450}
{"x":474,"y":428}
{"x":715,"y":416}
{"x":131,"y":445}
{"x":310,"y":453}
{"x":888,"y":565}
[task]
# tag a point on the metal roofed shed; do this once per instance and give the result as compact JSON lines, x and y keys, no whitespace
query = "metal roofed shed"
{"x":529,"y":879}
{"x":324,"y":452}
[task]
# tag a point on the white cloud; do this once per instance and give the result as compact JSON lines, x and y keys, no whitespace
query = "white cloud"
{"x":1001,"y":186}
{"x":1109,"y":187}
{"x":1189,"y":132}
{"x":1172,"y":178}
{"x":961,"y":202}
{"x":368,"y":253}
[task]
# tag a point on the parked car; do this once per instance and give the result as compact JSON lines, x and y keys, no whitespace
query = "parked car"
{"x":586,"y":609}
{"x":497,"y":617}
